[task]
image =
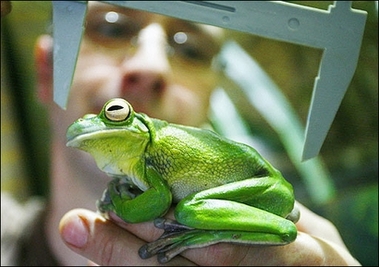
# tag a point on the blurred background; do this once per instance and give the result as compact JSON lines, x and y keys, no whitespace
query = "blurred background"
{"x":348,"y":158}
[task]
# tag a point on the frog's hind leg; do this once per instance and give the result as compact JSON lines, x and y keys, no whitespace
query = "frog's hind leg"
{"x":225,"y":214}
{"x":174,"y":241}
{"x":262,"y":228}
{"x":178,"y":237}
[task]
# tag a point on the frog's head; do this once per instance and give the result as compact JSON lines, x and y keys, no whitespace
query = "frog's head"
{"x":116,"y":137}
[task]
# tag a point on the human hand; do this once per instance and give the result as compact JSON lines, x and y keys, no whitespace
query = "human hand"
{"x":105,"y":243}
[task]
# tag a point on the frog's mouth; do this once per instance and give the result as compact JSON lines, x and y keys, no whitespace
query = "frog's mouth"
{"x":82,"y":127}
{"x":75,"y":139}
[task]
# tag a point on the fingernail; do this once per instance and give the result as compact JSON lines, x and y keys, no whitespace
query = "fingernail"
{"x":74,"y":231}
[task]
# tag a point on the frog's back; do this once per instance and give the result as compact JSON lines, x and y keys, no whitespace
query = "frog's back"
{"x":193,"y":159}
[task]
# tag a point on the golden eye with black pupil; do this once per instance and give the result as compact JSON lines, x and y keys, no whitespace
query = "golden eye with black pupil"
{"x":117,"y":110}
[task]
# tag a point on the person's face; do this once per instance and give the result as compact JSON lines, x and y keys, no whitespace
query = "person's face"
{"x":161,"y":65}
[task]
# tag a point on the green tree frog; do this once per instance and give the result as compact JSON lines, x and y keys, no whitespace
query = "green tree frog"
{"x":224,"y":191}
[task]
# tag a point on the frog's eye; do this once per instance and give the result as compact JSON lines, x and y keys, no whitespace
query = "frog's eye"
{"x":117,"y":110}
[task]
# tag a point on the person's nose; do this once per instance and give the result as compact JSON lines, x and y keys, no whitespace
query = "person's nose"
{"x":145,"y":73}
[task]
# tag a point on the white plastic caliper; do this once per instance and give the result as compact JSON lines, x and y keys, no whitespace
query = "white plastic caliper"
{"x":338,"y":31}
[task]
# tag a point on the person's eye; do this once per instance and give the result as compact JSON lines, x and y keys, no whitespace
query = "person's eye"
{"x":110,"y":27}
{"x":191,"y":48}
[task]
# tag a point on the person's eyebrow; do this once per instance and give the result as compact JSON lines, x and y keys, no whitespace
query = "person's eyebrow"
{"x":192,"y":27}
{"x":181,"y":24}
{"x":104,"y":7}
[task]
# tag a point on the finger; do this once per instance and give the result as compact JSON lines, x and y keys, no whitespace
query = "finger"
{"x":146,"y":230}
{"x":306,"y":250}
{"x":303,"y":251}
{"x":221,"y":254}
{"x":103,"y":242}
{"x":313,"y":224}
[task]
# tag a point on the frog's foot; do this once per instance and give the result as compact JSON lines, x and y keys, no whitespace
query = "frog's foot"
{"x":294,"y":215}
{"x":104,"y":204}
{"x":117,"y":188}
{"x":177,"y":238}
{"x":171,"y":242}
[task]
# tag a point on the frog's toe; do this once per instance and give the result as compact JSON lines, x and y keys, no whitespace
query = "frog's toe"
{"x":164,"y":257}
{"x":158,"y":246}
{"x":165,"y":249}
{"x":105,"y":201}
{"x":294,"y":215}
{"x":106,"y":197}
{"x":170,"y":225}
{"x":144,"y":253}
{"x":171,"y":243}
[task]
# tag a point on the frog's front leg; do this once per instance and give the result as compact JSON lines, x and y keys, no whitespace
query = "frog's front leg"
{"x":116,"y":189}
{"x":227,"y":214}
{"x":133,"y":206}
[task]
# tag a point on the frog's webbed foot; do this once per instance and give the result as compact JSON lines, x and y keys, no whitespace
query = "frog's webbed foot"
{"x":172,"y":242}
{"x":177,"y":238}
{"x":117,"y":188}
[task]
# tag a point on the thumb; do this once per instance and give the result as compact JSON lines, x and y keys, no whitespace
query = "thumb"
{"x":102,"y":241}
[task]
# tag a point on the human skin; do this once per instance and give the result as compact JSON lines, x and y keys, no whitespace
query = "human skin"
{"x":107,"y":243}
{"x":161,"y":87}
